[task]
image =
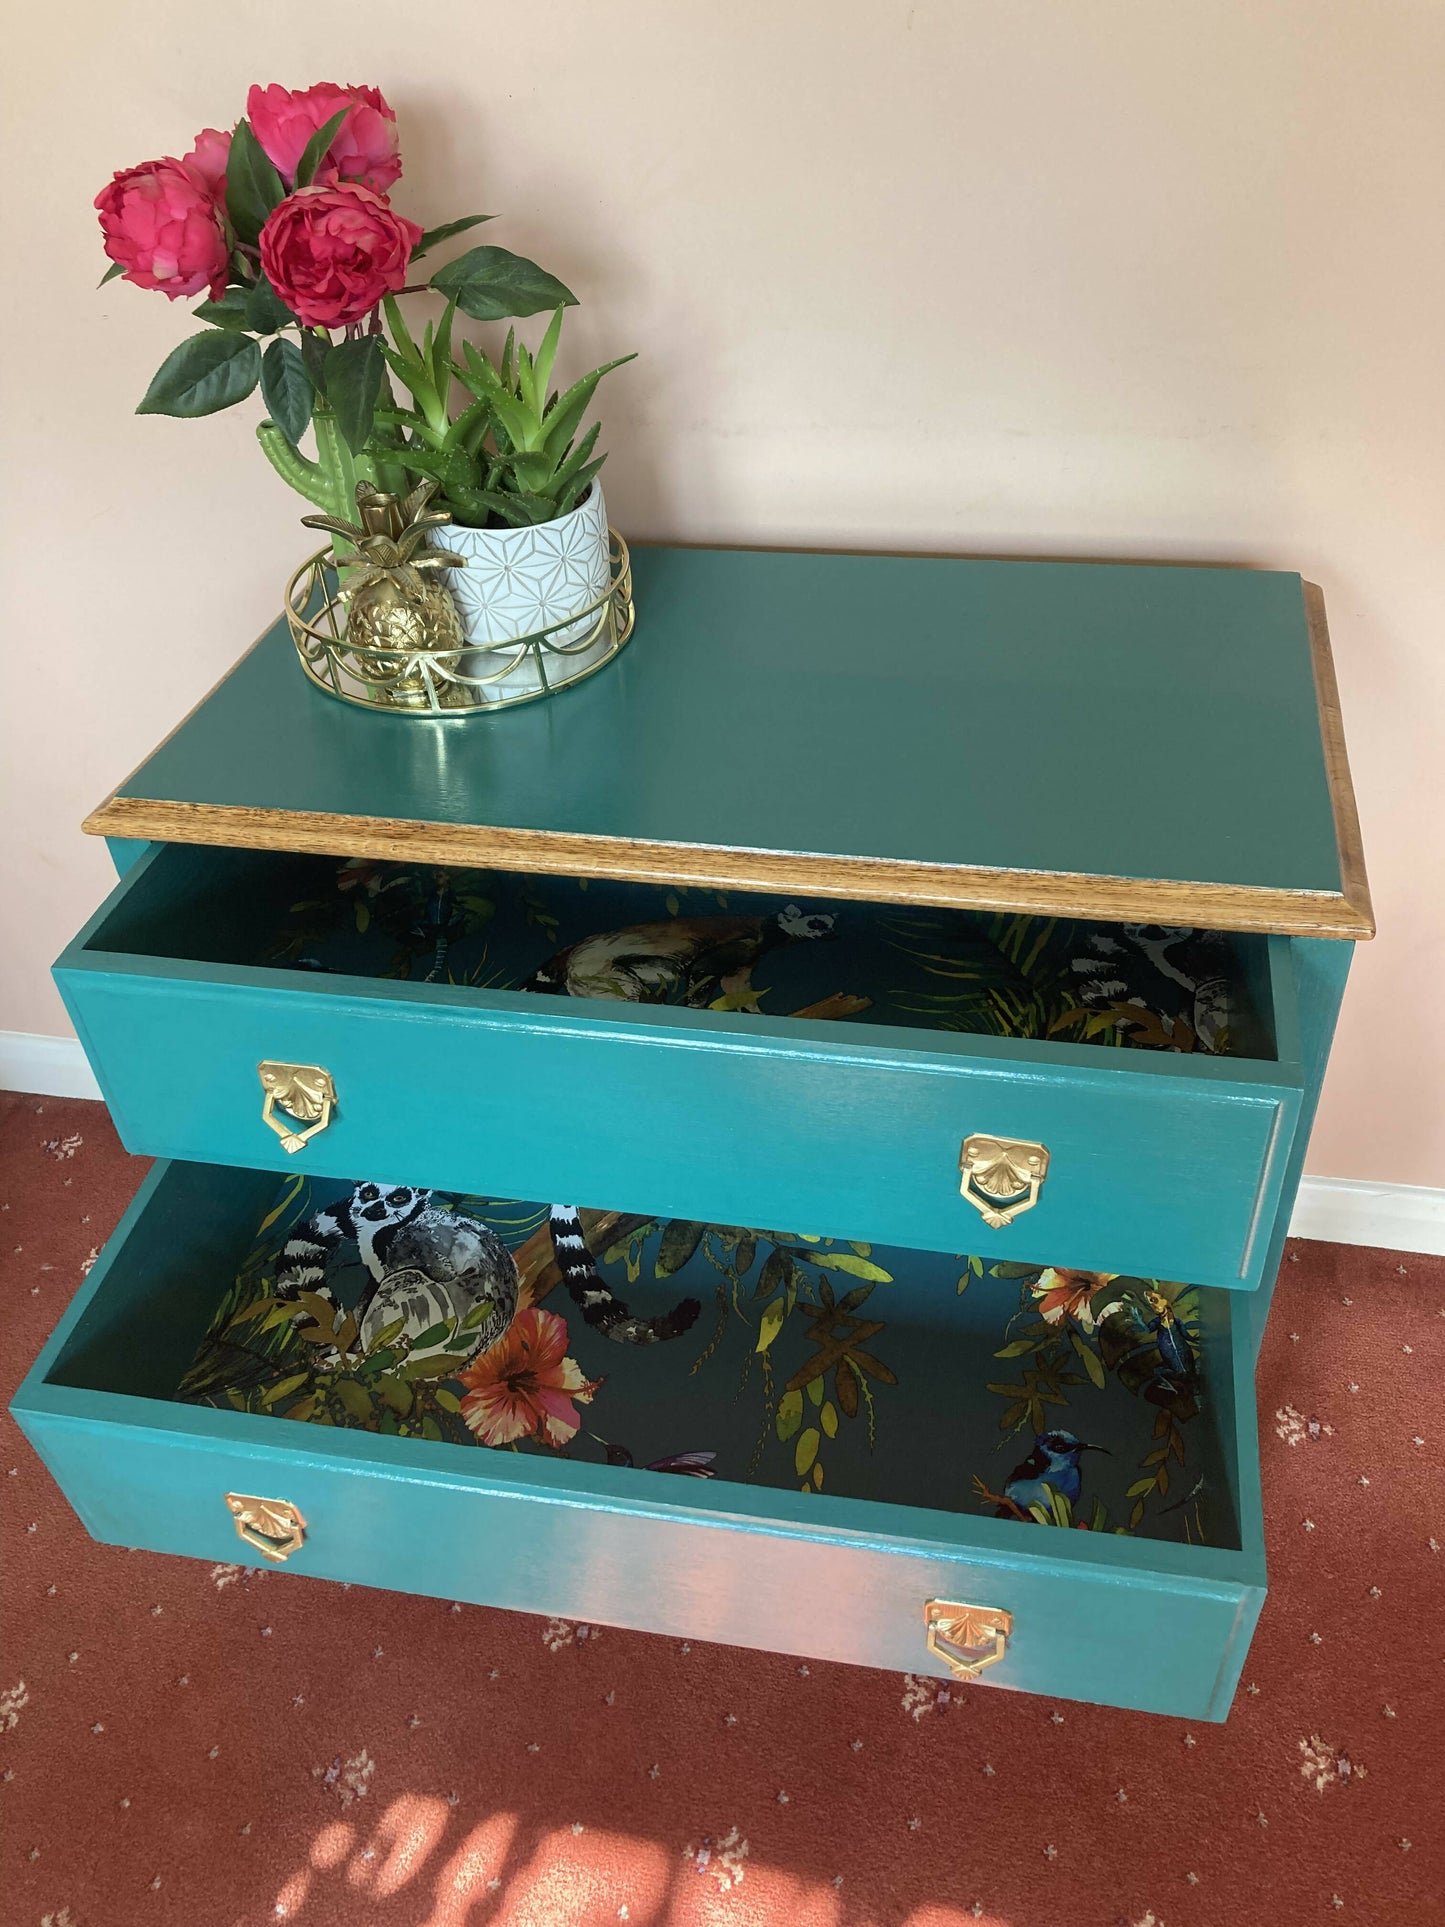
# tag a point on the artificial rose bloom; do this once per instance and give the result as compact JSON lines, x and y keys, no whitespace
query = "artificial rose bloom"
{"x":160,"y":223}
{"x":332,"y":252}
{"x":1066,"y":1294}
{"x":365,"y":147}
{"x":523,"y":1386}
{"x":207,"y":160}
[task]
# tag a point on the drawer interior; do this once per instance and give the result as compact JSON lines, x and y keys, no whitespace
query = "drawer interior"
{"x":861,"y":964}
{"x":863,"y":1373}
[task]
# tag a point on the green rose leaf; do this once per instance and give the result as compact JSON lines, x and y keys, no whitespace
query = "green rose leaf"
{"x":253,"y":187}
{"x":489,"y":284}
{"x":314,"y":151}
{"x":118,"y":267}
{"x":435,"y":235}
{"x":229,"y":312}
{"x":264,"y":309}
{"x":353,"y":386}
{"x":209,"y":372}
{"x":286,"y":389}
{"x":314,"y":350}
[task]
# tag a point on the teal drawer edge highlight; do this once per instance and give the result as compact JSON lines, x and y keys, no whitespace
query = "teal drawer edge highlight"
{"x":1145,"y":1624}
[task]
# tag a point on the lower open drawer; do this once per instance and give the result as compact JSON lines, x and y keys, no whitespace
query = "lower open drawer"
{"x":1043,"y":1480}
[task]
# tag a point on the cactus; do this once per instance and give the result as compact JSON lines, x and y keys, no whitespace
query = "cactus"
{"x":329,"y":481}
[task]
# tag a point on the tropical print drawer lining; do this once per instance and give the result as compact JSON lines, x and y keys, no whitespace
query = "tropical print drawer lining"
{"x":1053,"y":1398}
{"x":1144,"y":986}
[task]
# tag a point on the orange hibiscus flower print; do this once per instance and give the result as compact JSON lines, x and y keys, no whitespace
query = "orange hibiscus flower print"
{"x":524,"y":1386}
{"x":1066,"y":1294}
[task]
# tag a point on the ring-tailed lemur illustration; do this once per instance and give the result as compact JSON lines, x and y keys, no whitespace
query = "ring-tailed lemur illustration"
{"x":1165,"y":960}
{"x":677,"y":962}
{"x":434,"y":1268}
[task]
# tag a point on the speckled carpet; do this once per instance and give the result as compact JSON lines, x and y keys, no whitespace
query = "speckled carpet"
{"x":187,"y":1745}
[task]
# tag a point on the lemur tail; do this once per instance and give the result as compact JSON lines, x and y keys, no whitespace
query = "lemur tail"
{"x":599,"y":1305}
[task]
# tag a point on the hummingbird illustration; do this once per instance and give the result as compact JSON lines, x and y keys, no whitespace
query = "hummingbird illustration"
{"x":1053,"y":1461}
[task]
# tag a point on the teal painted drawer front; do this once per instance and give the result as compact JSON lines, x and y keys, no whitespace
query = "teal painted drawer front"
{"x":1135,"y":1622}
{"x":1161,"y":1164}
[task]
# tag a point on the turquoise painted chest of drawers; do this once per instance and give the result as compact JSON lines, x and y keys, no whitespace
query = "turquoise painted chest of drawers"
{"x":924,"y":762}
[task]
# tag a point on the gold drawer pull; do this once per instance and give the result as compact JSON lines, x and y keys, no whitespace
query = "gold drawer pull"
{"x":305,"y":1092}
{"x":1002,"y":1176}
{"x":274,"y":1527}
{"x":966,"y":1638}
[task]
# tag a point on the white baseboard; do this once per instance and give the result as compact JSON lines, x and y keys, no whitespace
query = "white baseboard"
{"x":49,"y":1066}
{"x":1342,"y":1211}
{"x":1353,"y":1211}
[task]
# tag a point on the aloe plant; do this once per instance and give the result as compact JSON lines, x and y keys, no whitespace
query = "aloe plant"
{"x":513,"y":454}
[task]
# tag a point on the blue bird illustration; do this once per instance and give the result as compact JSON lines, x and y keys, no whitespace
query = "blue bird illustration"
{"x":1053,"y":1461}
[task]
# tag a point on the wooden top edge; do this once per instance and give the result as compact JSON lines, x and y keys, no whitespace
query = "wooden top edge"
{"x":1351,"y":847}
{"x":1217,"y":906}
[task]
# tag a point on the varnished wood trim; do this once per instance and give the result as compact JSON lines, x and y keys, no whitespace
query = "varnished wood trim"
{"x":1337,"y":765}
{"x":1217,"y":906}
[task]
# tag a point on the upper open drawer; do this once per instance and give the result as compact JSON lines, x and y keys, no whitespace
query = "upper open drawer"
{"x":820,"y":1064}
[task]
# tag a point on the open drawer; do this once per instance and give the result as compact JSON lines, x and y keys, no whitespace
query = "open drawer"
{"x":740,"y":1058}
{"x":840,"y":1458}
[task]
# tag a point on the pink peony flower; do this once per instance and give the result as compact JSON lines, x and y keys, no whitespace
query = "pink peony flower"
{"x":332,"y":252}
{"x":161,"y":224}
{"x":523,"y":1386}
{"x":365,"y":147}
{"x":207,"y":160}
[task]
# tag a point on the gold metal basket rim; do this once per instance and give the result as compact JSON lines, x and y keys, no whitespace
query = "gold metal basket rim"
{"x":325,"y":654}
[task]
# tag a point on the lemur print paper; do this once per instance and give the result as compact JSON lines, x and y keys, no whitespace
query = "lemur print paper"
{"x":775,"y":1358}
{"x":1142,"y":985}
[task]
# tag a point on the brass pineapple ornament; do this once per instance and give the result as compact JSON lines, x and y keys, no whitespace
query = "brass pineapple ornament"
{"x":398,"y":606}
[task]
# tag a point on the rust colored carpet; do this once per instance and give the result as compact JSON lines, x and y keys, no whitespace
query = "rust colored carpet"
{"x":186,"y":1745}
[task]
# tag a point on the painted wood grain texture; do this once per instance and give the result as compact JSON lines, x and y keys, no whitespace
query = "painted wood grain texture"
{"x":1117,"y":741}
{"x":817,"y":1576}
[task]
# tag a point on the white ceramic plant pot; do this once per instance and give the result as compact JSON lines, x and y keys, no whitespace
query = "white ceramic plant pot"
{"x":518,"y":581}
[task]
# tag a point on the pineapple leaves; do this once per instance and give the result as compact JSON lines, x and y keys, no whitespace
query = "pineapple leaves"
{"x":286,"y":389}
{"x":210,"y":371}
{"x":489,"y":284}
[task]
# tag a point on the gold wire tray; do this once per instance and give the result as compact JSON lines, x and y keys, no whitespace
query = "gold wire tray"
{"x":450,"y":682}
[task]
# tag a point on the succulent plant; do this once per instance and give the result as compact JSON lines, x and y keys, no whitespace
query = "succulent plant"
{"x":512,"y":455}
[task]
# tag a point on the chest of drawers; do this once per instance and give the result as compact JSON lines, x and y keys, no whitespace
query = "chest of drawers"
{"x":914,"y":861}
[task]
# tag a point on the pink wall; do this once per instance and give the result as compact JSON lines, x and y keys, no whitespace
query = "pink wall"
{"x":1073,"y":276}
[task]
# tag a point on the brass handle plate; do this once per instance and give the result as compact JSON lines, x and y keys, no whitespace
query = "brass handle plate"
{"x":305,"y":1093}
{"x":1001,"y":1176}
{"x":966,"y":1638}
{"x":274,"y":1527}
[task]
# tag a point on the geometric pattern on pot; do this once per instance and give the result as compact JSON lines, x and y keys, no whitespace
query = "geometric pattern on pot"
{"x":520,"y":580}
